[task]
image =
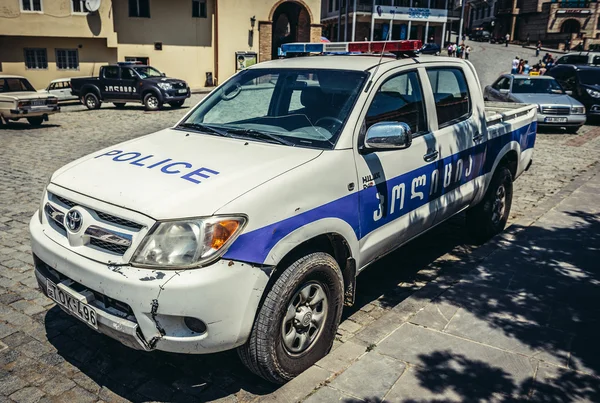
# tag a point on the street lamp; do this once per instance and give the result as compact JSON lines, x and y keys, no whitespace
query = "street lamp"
{"x":253,"y":21}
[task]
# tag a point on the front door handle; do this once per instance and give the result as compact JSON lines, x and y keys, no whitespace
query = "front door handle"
{"x":432,"y":155}
{"x":478,"y":137}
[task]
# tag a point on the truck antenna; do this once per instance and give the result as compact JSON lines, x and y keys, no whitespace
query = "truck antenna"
{"x":387,"y":38}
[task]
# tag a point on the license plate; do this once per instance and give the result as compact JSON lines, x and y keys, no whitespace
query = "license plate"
{"x":182,"y":91}
{"x":38,"y":103}
{"x":555,"y":120}
{"x":79,"y":309}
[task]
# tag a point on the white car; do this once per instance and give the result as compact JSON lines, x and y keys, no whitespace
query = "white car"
{"x":19,"y":100}
{"x":60,"y":88}
{"x":246,"y":224}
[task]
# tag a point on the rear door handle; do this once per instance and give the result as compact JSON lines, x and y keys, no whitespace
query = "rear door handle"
{"x":478,"y":137}
{"x":432,"y":155}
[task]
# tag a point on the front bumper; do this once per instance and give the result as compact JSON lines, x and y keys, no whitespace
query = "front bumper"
{"x":174,"y":95}
{"x":572,"y":120}
{"x":224,"y":295}
{"x":31,"y":111}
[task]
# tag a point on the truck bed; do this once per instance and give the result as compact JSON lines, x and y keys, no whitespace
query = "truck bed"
{"x":505,"y":112}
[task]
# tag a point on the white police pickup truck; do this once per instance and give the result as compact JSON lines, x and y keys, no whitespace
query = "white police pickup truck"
{"x":246,"y":224}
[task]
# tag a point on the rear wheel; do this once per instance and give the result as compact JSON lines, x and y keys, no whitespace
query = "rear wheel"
{"x":36,"y":121}
{"x":489,"y":217}
{"x":119,"y":105}
{"x":91,"y":101}
{"x":298,"y":320}
{"x":151,"y":102}
{"x":176,"y":104}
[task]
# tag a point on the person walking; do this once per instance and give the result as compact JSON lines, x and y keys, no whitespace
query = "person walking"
{"x":526,"y":68}
{"x":459,"y":51}
{"x":449,"y":50}
{"x":507,"y":37}
{"x":521,"y":66}
{"x":538,"y":48}
{"x":467,"y":52}
{"x":515,"y":65}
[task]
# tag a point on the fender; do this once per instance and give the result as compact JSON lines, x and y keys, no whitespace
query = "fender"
{"x":155,"y":91}
{"x":87,"y":88}
{"x":310,"y":231}
{"x":487,"y":177}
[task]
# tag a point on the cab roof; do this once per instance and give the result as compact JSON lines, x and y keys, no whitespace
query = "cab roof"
{"x":344,"y":62}
{"x":10,"y":76}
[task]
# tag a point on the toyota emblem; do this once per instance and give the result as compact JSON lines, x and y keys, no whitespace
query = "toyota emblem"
{"x":73,"y":220}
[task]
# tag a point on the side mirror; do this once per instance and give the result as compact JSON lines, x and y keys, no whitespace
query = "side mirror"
{"x":163,"y":74}
{"x":388,"y":135}
{"x":569,"y":92}
{"x":504,"y":91}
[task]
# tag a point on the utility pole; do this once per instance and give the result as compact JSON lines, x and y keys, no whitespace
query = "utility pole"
{"x":462,"y":16}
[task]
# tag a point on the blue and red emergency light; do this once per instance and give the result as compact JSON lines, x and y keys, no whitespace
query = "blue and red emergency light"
{"x":407,"y":46}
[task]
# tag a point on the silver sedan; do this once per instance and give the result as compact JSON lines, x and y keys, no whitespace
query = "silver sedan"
{"x":555,"y":107}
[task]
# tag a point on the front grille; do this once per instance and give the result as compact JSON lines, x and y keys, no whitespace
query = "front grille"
{"x":119,"y":221}
{"x":66,"y":202}
{"x":178,"y":85}
{"x":560,"y":110}
{"x":110,"y":247}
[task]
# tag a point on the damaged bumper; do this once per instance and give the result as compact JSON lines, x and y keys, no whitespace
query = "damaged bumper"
{"x":147,"y":309}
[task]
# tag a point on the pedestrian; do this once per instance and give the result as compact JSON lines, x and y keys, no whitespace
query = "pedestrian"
{"x":449,"y":50}
{"x":538,"y":48}
{"x":507,"y":37}
{"x":526,"y":68}
{"x":542,"y":69}
{"x":521,"y":66}
{"x":527,"y":40}
{"x":467,"y":52}
{"x":459,"y":50}
{"x":454,"y":48}
{"x":515,"y":65}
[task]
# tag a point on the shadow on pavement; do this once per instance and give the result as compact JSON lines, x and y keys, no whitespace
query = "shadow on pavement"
{"x":25,"y":126}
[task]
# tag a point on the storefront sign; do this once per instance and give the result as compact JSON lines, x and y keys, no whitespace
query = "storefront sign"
{"x":411,"y":14}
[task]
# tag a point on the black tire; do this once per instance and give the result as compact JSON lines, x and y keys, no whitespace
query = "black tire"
{"x":265,"y":352}
{"x":36,"y":121}
{"x":91,"y":101}
{"x":488,"y":218}
{"x":151,"y":102}
{"x":119,"y":105}
{"x":176,"y":104}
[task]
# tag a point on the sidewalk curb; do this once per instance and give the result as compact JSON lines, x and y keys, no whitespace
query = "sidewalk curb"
{"x":342,"y":357}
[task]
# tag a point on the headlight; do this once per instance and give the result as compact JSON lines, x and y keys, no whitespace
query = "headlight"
{"x":188,"y":243}
{"x":165,"y":86}
{"x":578,"y":110}
{"x":41,"y":209}
{"x":593,"y":93}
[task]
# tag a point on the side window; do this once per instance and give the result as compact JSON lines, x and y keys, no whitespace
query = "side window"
{"x":111,"y":72}
{"x":570,"y":80}
{"x":578,"y":60}
{"x":52,"y":86}
{"x":502,"y":84}
{"x":399,"y":99}
{"x":563,"y":60}
{"x":451,"y":94}
{"x":127,"y":74}
{"x":596,"y":60}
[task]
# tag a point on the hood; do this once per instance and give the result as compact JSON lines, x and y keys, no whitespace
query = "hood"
{"x":25,"y":95}
{"x":175,"y":174}
{"x":545,"y":99}
{"x":164,"y":80}
{"x":595,"y":87}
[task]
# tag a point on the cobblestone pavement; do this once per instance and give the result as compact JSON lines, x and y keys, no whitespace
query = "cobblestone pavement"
{"x":47,"y":355}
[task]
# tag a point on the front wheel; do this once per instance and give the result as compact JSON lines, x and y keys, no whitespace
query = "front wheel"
{"x":489,"y":217}
{"x":36,"y":121}
{"x":298,"y":320}
{"x":151,"y":102}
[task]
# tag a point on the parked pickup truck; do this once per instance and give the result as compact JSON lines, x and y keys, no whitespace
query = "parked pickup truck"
{"x":130,"y":82}
{"x":19,"y":100}
{"x":246,"y":224}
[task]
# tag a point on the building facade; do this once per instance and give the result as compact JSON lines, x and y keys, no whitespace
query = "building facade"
{"x":196,"y":40}
{"x":482,"y":15}
{"x":359,"y":20}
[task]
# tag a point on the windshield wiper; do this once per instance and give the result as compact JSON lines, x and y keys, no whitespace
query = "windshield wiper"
{"x":204,"y":128}
{"x":262,"y":135}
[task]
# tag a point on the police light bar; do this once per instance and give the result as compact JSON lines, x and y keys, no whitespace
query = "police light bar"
{"x":353,"y":47}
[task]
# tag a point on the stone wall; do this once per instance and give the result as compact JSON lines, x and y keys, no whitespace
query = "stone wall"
{"x":265,"y":39}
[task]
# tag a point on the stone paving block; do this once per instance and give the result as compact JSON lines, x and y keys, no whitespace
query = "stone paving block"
{"x":27,"y":395}
{"x":349,"y":326}
{"x":16,"y":339}
{"x":300,"y":387}
{"x":154,"y":389}
{"x":371,"y":377}
{"x":435,"y":350}
{"x":342,"y":356}
{"x":57,"y":386}
{"x":76,"y":395}
{"x":10,"y":384}
{"x":327,"y":394}
{"x":374,"y":333}
{"x":553,"y":384}
{"x":435,"y":315}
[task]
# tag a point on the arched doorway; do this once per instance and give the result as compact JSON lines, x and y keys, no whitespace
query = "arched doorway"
{"x":570,"y":27}
{"x":291,"y":23}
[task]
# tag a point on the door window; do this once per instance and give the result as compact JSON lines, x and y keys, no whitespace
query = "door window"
{"x":399,"y":99}
{"x":451,"y":94}
{"x":127,"y":74}
{"x":111,"y":72}
{"x":502,"y":84}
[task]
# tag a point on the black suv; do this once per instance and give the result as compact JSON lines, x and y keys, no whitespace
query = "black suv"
{"x":130,"y":82}
{"x":583,"y":82}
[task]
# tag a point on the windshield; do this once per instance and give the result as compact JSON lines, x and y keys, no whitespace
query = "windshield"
{"x":15,"y":85}
{"x":590,"y":77}
{"x":147,"y":71}
{"x":536,"y":86}
{"x":305,"y":107}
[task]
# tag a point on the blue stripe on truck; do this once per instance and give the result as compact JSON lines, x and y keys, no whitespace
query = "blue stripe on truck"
{"x":366,"y":210}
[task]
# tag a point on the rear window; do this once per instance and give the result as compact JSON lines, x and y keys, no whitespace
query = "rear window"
{"x":15,"y":85}
{"x":452,"y":101}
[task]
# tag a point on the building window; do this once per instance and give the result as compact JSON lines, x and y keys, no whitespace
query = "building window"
{"x":67,"y":59}
{"x":199,"y":8}
{"x":36,"y":59}
{"x":139,"y":8}
{"x":31,"y":5}
{"x":78,"y":6}
{"x":330,"y":6}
